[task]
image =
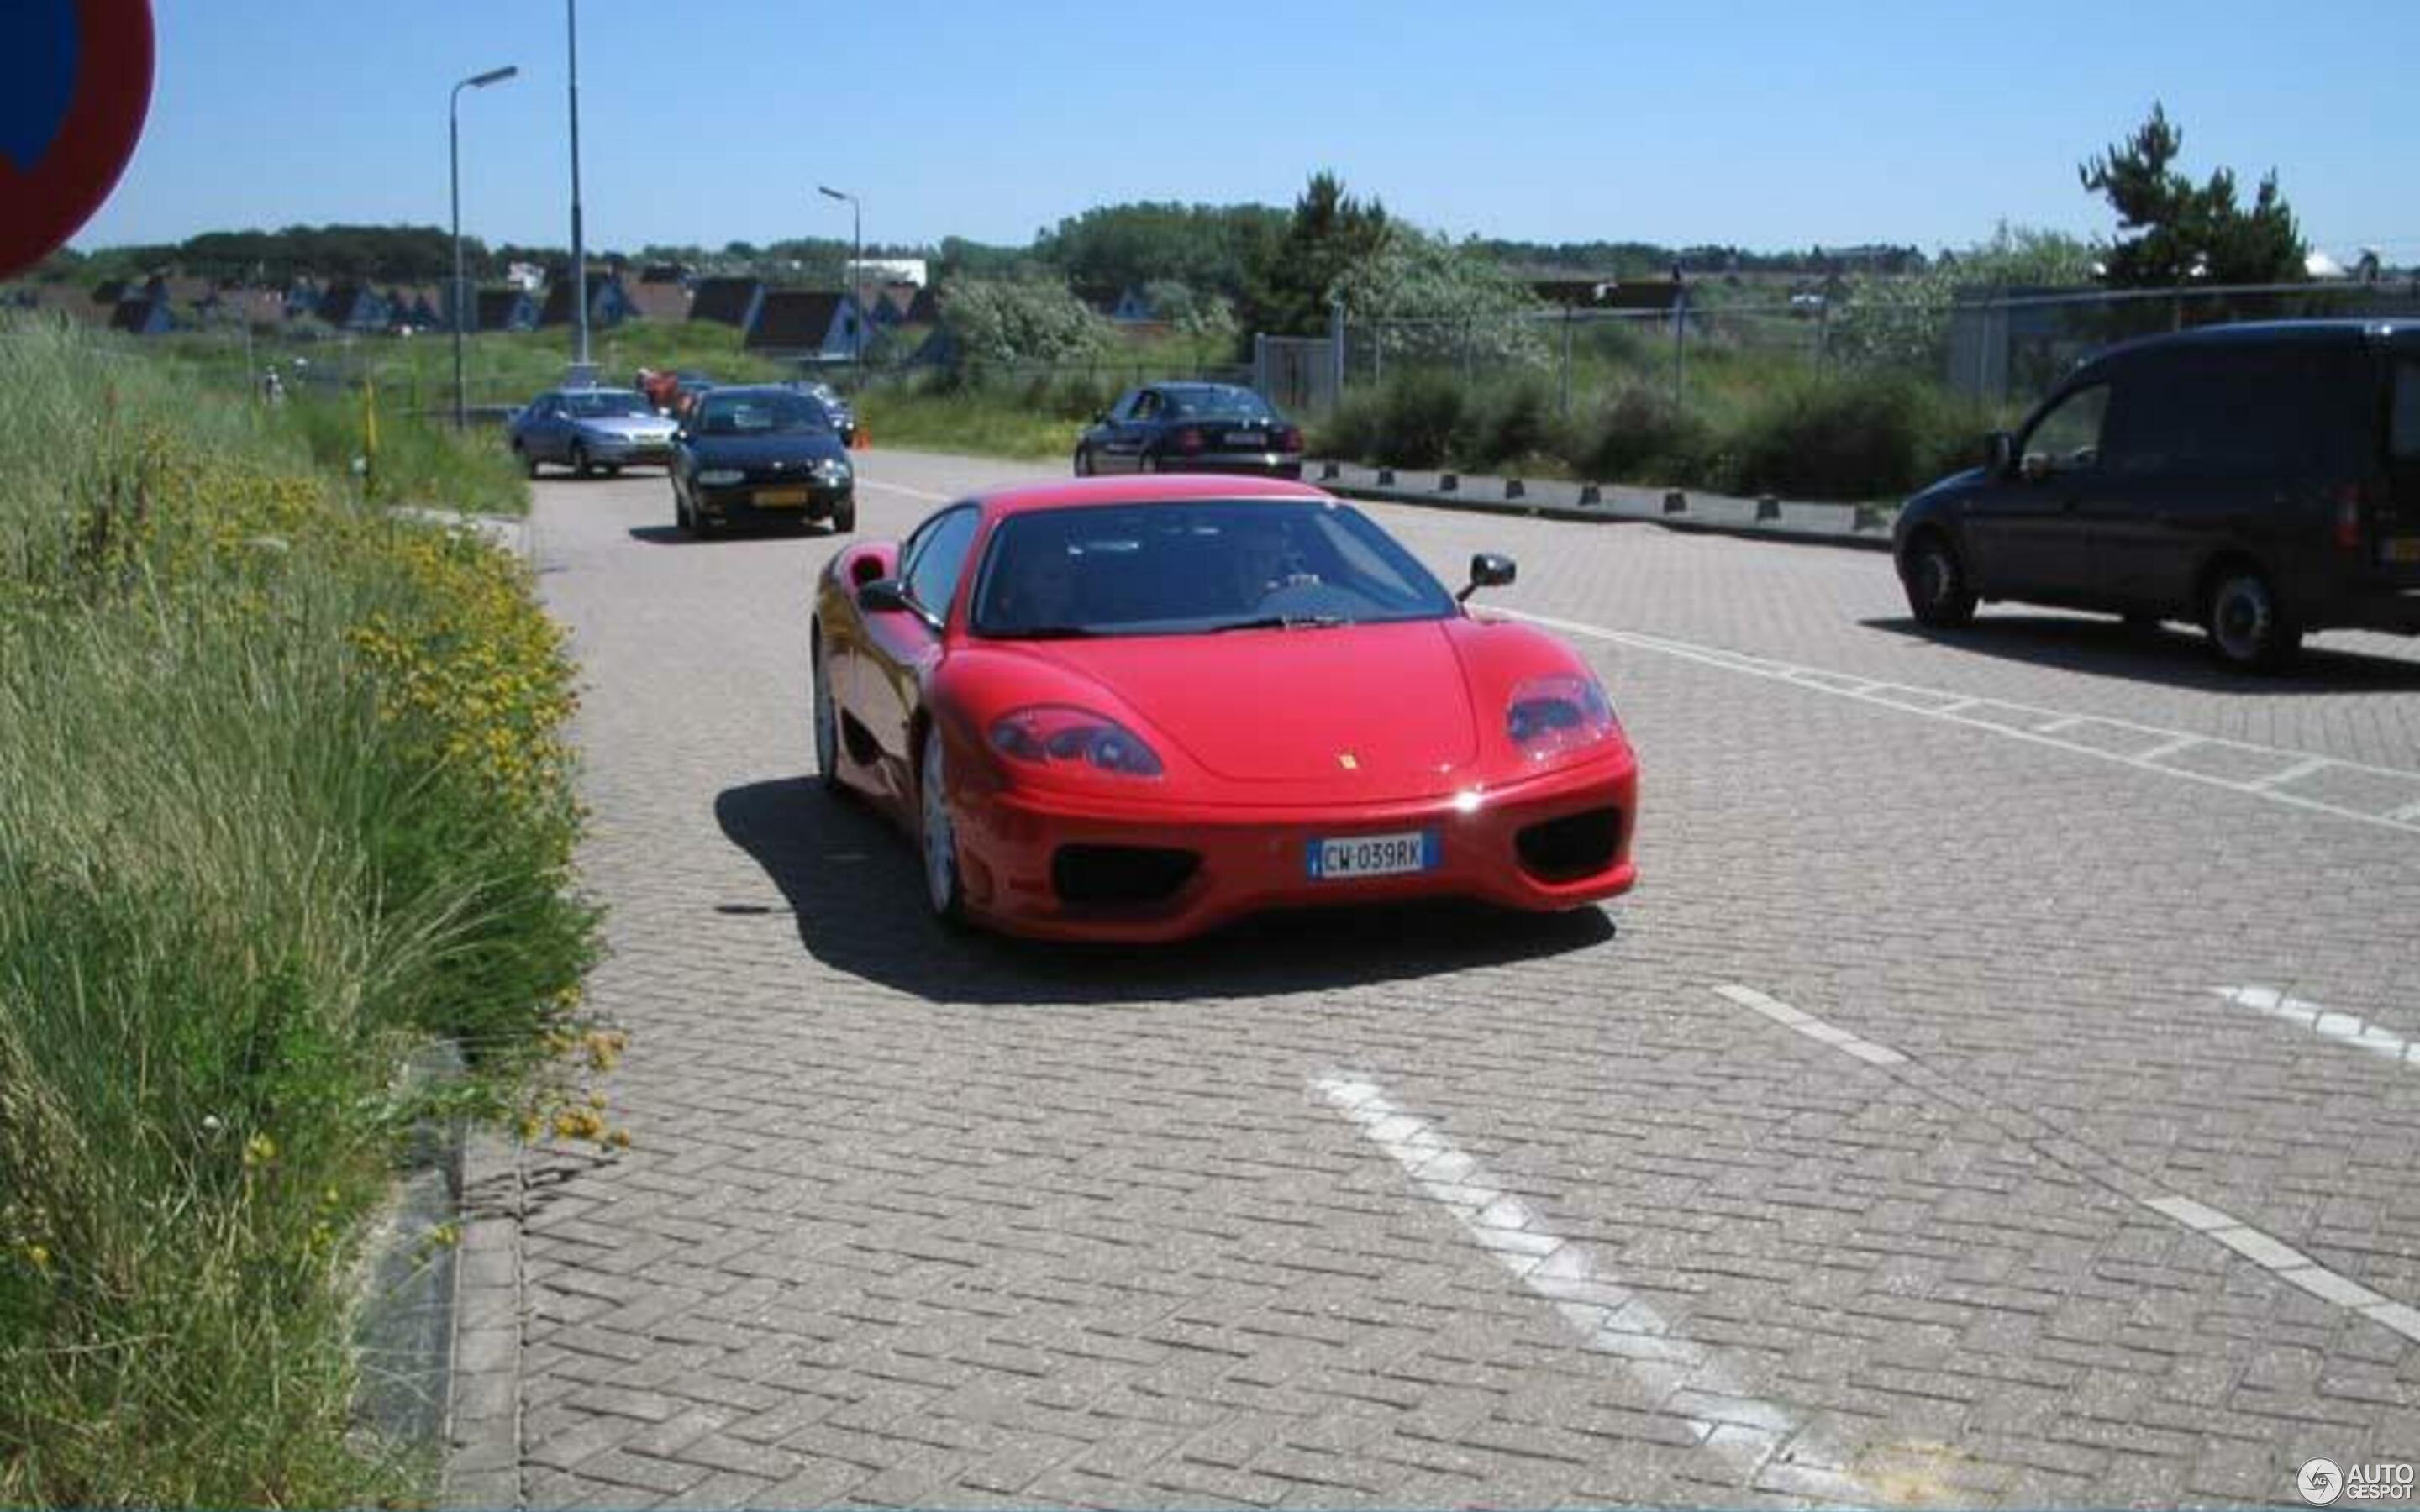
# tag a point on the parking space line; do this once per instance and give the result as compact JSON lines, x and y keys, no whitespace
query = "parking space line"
{"x":2405,"y":818}
{"x":2300,"y":770}
{"x":1687,"y":1379}
{"x":2345,"y":1028}
{"x":1801,"y":1022}
{"x":2288,"y":1263}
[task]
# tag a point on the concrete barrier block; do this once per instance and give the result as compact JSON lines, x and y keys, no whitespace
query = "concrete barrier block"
{"x":1386,"y":477}
{"x":1330,"y":470}
{"x":1768,"y":507}
{"x":1592,"y":493}
{"x":1675,"y":501}
{"x":1448,"y":481}
{"x":1514,"y":488}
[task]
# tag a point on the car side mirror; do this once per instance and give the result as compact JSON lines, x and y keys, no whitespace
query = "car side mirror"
{"x":1999,"y":453}
{"x":1487,"y":570}
{"x":1102,"y":418}
{"x":884,"y":595}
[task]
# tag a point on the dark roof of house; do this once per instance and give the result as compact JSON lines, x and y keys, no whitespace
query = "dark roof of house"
{"x":557,"y":310}
{"x":658,"y":302}
{"x":795,"y":319}
{"x":726,"y":300}
{"x":493,"y":308}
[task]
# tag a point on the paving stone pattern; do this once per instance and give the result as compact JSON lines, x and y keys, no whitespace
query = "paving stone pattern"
{"x":919,"y":1219}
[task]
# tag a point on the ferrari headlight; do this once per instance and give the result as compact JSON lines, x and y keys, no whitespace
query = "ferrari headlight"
{"x":1057,"y":735}
{"x":722,"y":477}
{"x":1552,"y":715}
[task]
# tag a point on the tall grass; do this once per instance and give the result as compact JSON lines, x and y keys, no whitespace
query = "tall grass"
{"x":282,"y":794}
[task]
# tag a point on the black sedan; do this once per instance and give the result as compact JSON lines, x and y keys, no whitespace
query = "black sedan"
{"x":753,"y":455}
{"x":1191,"y":427}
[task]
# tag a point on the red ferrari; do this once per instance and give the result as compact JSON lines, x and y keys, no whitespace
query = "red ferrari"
{"x":1135,"y":709}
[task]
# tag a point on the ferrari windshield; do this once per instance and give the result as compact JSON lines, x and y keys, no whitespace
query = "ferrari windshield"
{"x":1194,"y":567}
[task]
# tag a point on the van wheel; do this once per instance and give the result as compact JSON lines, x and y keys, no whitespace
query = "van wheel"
{"x":2248,"y":628}
{"x":1937,"y":590}
{"x":1083,"y":461}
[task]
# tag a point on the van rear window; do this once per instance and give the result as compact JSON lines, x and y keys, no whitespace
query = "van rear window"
{"x":2403,"y":434}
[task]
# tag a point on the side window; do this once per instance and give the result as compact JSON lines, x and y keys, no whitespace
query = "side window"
{"x":1146,"y":405}
{"x":2069,"y":438}
{"x":1124,"y":409}
{"x":938,"y":555}
{"x":2403,"y":426}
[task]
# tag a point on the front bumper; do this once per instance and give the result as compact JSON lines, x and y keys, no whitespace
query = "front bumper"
{"x":751,"y":503}
{"x":1254,"y":860}
{"x":628,"y":451}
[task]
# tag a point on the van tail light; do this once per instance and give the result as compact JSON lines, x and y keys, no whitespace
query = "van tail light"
{"x":2349,"y":499}
{"x":1188,"y":440}
{"x":1289,"y":439}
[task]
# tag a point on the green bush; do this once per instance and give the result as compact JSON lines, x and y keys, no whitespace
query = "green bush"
{"x":283,"y":793}
{"x":1853,"y":437}
{"x":1641,"y":436}
{"x":1420,"y":414}
{"x":1507,"y":426}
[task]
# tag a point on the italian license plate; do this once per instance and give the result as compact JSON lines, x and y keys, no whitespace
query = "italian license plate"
{"x":2403,"y":548}
{"x":1243,"y":438}
{"x":1374,"y":855}
{"x":781,"y":498}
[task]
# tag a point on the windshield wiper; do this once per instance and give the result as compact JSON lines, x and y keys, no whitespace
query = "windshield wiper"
{"x":1048,"y":632}
{"x":1285,"y":622}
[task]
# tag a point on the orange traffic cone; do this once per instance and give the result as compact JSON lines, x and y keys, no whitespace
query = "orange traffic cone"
{"x":859,"y":441}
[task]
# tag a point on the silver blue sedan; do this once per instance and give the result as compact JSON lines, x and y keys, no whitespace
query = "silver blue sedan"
{"x":589,"y":429}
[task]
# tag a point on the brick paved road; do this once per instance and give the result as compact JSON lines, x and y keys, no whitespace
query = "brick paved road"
{"x":1413,"y":1210}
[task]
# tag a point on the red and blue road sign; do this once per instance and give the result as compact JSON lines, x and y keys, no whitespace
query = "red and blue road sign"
{"x":75,"y":83}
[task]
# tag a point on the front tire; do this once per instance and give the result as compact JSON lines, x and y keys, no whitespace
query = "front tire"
{"x":826,"y":715}
{"x":580,"y":464}
{"x":943,"y":891}
{"x":527,"y":459}
{"x":2249,"y":629}
{"x":1083,"y":461}
{"x":1938,"y":594}
{"x":843,"y":517}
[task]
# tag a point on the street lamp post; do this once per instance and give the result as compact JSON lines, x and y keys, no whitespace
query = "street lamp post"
{"x":454,"y":173}
{"x":856,"y":277}
{"x":578,"y":249}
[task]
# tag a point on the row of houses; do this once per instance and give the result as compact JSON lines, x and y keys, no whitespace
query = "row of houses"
{"x":791,"y":321}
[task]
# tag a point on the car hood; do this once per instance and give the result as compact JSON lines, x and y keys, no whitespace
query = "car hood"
{"x":631,"y":428}
{"x":802,"y":447}
{"x":1383,"y":701}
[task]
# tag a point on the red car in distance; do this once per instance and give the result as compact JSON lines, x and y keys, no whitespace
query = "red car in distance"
{"x":1136,"y":709}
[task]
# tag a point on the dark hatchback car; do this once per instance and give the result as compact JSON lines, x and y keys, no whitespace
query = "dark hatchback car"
{"x":2260,"y":481}
{"x":1190,"y":428}
{"x":756,"y":455}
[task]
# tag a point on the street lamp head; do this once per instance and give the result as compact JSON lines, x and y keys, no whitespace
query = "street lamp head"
{"x":493,"y":76}
{"x":831,"y":194}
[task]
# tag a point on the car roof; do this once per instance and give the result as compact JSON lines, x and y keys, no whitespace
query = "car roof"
{"x":2261,"y":333}
{"x":1165,"y":487}
{"x":752,"y":390}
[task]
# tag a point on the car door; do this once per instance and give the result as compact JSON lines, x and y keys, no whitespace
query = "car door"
{"x":1131,"y":431}
{"x":2024,"y":535}
{"x":900,"y":648}
{"x":551,"y":441}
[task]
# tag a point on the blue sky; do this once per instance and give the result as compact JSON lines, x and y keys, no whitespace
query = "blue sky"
{"x":1768,"y":126}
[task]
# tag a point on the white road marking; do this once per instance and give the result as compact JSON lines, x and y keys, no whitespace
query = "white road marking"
{"x":1687,"y":1379}
{"x":2169,"y":747}
{"x":2288,"y":1263}
{"x":1808,"y":1025}
{"x":2300,"y":770}
{"x":927,"y":494}
{"x":2345,"y":1028}
{"x":2405,"y":818}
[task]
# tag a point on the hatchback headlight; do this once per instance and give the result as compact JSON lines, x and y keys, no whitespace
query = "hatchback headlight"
{"x":1058,"y":735}
{"x":832,"y":470}
{"x":721,"y":477}
{"x":1549,"y":715}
